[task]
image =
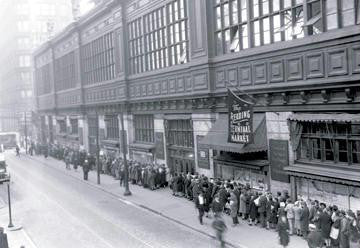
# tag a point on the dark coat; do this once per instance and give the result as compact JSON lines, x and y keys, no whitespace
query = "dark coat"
{"x":325,"y":224}
{"x":304,"y":219}
{"x":283,"y":233}
{"x":269,"y":204}
{"x":315,"y":239}
{"x":253,"y":209}
{"x":262,"y":204}
{"x":223,"y":196}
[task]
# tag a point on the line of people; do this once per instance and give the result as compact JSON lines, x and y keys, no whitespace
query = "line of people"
{"x":320,"y":225}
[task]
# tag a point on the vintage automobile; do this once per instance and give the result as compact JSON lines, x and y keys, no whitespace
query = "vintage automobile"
{"x":4,"y":175}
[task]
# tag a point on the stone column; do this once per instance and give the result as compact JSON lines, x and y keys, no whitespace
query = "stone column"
{"x":159,"y":129}
{"x":277,"y":128}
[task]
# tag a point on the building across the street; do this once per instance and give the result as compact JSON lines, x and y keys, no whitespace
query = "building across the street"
{"x":166,"y":66}
{"x":25,"y":24}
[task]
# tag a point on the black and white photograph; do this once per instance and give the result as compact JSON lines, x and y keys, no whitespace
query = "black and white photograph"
{"x":179,"y":123}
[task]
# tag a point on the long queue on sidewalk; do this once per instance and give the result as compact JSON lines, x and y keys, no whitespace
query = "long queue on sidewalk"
{"x":319,"y":224}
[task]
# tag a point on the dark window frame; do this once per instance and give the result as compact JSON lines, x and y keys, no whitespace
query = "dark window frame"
{"x":144,"y":128}
{"x":322,"y":143}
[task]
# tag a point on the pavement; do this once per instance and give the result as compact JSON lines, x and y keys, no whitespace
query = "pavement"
{"x":57,"y":210}
{"x":179,"y":211}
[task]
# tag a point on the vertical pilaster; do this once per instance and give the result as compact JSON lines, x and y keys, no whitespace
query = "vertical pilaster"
{"x":202,"y":124}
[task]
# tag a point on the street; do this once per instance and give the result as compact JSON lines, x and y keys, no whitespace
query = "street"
{"x":59,"y":211}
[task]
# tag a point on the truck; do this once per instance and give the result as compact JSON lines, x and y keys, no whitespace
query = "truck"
{"x":9,"y":139}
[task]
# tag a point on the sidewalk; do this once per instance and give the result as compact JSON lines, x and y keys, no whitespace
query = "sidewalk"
{"x":178,"y":210}
{"x":17,"y":238}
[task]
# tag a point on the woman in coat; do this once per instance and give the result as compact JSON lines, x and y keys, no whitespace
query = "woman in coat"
{"x":283,"y":231}
{"x":242,"y":205}
{"x":304,"y":219}
{"x":233,"y":207}
{"x":325,"y":225}
{"x":253,"y":210}
{"x":344,"y":241}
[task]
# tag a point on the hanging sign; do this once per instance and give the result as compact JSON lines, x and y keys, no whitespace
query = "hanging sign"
{"x":240,"y":120}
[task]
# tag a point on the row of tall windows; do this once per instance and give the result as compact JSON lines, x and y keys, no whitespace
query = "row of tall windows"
{"x":159,"y":39}
{"x":112,"y":127}
{"x":43,"y":80}
{"x":241,"y":24}
{"x":144,"y":128}
{"x":98,"y":59}
{"x":65,"y":76}
{"x":333,"y":143}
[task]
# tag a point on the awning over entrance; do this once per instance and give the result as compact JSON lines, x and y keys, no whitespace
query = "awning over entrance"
{"x":217,"y":137}
{"x":334,"y":175}
{"x":142,"y":147}
{"x":325,"y":117}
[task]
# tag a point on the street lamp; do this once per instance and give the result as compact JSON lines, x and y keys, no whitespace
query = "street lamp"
{"x":126,"y":168}
{"x":11,"y":225}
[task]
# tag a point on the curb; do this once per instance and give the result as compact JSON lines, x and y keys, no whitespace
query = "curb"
{"x":141,"y":206}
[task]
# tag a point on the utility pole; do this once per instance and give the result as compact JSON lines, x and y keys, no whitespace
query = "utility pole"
{"x":126,"y":168}
{"x":26,"y":143}
{"x":97,"y":148}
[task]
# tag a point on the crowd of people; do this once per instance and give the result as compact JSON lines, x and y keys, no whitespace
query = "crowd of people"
{"x":320,"y":224}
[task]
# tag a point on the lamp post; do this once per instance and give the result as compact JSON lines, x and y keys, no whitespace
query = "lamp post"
{"x":126,"y":168}
{"x":26,"y":143}
{"x":97,"y":148}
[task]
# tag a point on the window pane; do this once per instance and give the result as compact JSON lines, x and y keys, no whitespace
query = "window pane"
{"x":316,"y":149}
{"x":277,"y":26}
{"x":255,"y":8}
{"x":235,"y":46}
{"x":234,"y":12}
{"x":265,"y":7}
{"x":266,"y":28}
{"x":243,"y":10}
{"x":348,"y":13}
{"x":315,"y":20}
{"x":245,"y":42}
{"x":257,"y":40}
{"x":218,"y":18}
{"x":227,"y":41}
{"x":331,"y":15}
{"x":298,"y":30}
{"x":219,"y":43}
{"x":288,"y":24}
{"x":276,"y":5}
{"x":226,"y":14}
{"x":287,"y":4}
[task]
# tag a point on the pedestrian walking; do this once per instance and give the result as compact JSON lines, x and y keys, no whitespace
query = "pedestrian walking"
{"x":200,"y":202}
{"x":284,"y":238}
{"x":3,"y":239}
{"x":17,"y":151}
{"x":219,"y":227}
{"x":86,"y":169}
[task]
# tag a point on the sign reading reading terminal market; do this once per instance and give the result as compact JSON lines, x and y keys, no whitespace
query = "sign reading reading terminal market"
{"x":240,"y":120}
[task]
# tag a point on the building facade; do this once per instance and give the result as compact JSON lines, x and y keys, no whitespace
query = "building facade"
{"x":166,"y":66}
{"x":25,"y":25}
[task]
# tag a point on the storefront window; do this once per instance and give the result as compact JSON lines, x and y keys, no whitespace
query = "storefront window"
{"x":337,"y":143}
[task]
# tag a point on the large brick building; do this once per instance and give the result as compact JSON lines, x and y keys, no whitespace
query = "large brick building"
{"x":166,"y":66}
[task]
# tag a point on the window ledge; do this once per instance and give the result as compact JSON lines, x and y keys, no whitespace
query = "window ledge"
{"x":330,"y":165}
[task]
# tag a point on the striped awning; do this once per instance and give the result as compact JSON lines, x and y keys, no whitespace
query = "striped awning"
{"x":325,"y":117}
